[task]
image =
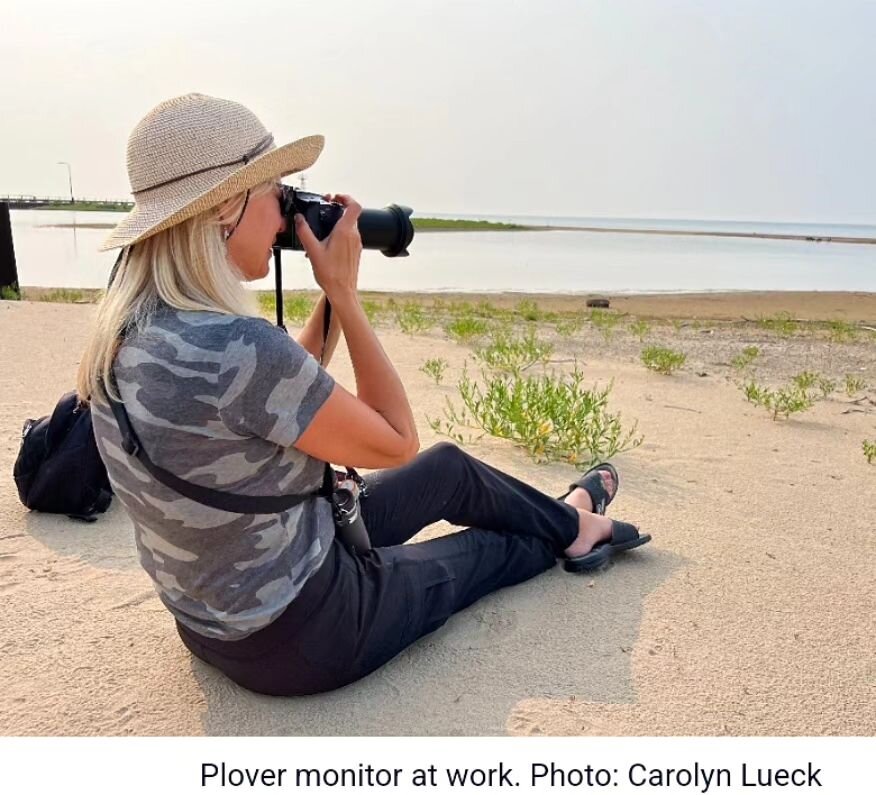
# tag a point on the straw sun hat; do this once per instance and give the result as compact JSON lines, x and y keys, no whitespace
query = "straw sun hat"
{"x":191,"y":153}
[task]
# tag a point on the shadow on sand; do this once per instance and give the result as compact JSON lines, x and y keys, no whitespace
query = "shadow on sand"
{"x":555,"y":636}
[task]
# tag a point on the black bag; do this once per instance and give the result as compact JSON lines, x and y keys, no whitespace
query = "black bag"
{"x":59,"y":469}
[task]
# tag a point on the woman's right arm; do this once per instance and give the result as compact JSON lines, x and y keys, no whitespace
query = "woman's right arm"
{"x":375,"y":428}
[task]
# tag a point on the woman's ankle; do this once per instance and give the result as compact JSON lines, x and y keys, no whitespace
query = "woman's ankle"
{"x":592,"y":530}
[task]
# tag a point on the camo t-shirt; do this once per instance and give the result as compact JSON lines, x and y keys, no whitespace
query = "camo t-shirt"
{"x":218,"y":400}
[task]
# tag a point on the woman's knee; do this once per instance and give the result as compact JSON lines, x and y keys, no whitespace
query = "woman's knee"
{"x":447,"y":462}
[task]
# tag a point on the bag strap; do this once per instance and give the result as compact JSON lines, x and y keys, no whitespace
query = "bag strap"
{"x":221,"y":500}
{"x":212,"y":498}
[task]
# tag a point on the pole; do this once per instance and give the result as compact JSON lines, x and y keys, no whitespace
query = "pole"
{"x":69,"y":177}
{"x":8,"y":271}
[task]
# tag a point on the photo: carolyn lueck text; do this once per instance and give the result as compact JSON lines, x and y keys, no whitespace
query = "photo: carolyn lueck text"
{"x":439,"y":370}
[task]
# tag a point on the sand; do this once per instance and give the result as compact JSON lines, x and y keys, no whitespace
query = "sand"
{"x":751,"y":613}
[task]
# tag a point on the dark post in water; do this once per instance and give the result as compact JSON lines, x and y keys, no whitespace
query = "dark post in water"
{"x":8,"y":271}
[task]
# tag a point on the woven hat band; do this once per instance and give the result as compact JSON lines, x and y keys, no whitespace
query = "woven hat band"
{"x":262,"y":146}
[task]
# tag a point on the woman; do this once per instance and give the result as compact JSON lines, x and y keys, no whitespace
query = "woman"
{"x":224,"y":400}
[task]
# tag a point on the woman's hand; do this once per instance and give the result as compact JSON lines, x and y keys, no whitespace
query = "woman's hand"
{"x":335,"y":260}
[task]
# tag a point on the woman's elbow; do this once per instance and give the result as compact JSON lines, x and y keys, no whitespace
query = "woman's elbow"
{"x":409,"y":452}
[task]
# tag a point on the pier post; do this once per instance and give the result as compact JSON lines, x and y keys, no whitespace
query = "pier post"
{"x":8,"y":271}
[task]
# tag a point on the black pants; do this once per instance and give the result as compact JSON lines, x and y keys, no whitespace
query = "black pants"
{"x":359,"y":611}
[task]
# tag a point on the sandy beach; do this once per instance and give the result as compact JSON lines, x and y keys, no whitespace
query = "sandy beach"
{"x":752,"y":612}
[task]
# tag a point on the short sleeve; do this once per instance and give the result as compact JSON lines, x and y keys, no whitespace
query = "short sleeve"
{"x":270,"y":386}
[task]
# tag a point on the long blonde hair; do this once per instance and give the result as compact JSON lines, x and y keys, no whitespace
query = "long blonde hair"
{"x":186,"y":267}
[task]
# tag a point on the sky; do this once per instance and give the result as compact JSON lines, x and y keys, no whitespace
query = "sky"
{"x":717,"y":109}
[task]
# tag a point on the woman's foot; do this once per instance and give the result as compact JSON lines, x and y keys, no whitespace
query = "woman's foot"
{"x":593,"y":529}
{"x":580,"y":498}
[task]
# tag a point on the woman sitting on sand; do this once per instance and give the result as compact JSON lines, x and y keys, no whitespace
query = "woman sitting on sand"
{"x":222,"y":399}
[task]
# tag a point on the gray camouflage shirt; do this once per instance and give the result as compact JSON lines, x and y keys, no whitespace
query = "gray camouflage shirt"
{"x":219,"y":400}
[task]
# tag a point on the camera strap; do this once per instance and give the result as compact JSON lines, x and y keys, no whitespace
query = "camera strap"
{"x":212,"y":498}
{"x":220,"y":500}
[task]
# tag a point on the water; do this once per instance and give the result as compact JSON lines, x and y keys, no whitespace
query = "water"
{"x":550,"y":262}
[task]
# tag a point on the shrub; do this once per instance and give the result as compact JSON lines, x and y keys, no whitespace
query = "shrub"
{"x":297,"y":308}
{"x":372,"y":310}
{"x":781,"y":323}
{"x":840,"y":331}
{"x":746,"y":358}
{"x":640,"y":329}
{"x":529,"y":310}
{"x":63,"y":295}
{"x":552,"y":418}
{"x":663,"y":360}
{"x":268,"y":303}
{"x":466,"y":328}
{"x":411,"y":319}
{"x":8,"y":293}
{"x":434,"y":368}
{"x":511,"y":354}
{"x":853,"y":385}
{"x":604,"y":321}
{"x":569,"y":325}
{"x":806,"y":380}
{"x":869,"y":450}
{"x":781,"y":402}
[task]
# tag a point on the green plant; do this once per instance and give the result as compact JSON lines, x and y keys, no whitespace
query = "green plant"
{"x":852,"y":385}
{"x":372,"y":310}
{"x":826,"y":386}
{"x":8,"y":293}
{"x":529,"y":310}
{"x":782,"y":402}
{"x":640,"y":329}
{"x":486,"y":309}
{"x":805,"y":380}
{"x":869,"y":450}
{"x":553,"y":418}
{"x":746,"y":358}
{"x":434,"y":368}
{"x":411,"y":319}
{"x":512,"y":354}
{"x":604,"y":321}
{"x":466,"y":328}
{"x":840,"y":331}
{"x":663,"y":360}
{"x":781,"y":323}
{"x":63,"y":295}
{"x":568,"y":325}
{"x":297,"y":308}
{"x":267,"y":303}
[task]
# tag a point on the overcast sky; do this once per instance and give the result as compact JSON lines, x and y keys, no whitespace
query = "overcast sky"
{"x":723,"y":109}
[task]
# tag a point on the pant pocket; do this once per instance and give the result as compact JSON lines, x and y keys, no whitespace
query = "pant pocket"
{"x":436,"y":598}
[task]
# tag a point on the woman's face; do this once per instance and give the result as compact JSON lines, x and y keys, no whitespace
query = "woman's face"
{"x":250,"y":245}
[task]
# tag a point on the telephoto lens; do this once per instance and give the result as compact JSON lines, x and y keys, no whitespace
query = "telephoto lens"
{"x":388,"y":230}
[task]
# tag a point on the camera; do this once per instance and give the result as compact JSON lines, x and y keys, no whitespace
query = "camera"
{"x":388,"y":230}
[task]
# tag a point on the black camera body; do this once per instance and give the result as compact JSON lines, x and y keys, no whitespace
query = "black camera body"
{"x":388,"y":230}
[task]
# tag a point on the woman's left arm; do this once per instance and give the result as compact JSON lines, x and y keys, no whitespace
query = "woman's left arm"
{"x":310,"y":337}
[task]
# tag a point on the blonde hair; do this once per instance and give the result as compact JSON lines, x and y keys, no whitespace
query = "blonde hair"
{"x":186,"y":267}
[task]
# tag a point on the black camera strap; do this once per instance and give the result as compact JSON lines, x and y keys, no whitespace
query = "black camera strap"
{"x":212,"y":498}
{"x":221,"y":500}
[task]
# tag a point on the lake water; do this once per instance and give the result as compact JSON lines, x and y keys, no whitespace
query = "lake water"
{"x":551,"y":261}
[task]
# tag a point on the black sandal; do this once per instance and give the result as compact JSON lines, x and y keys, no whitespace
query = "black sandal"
{"x":591,"y":482}
{"x":624,"y":536}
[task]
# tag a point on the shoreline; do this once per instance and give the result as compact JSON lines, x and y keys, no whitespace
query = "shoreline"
{"x":742,"y":305}
{"x":496,"y":227}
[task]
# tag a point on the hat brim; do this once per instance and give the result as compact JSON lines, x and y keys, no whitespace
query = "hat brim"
{"x":168,"y":207}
